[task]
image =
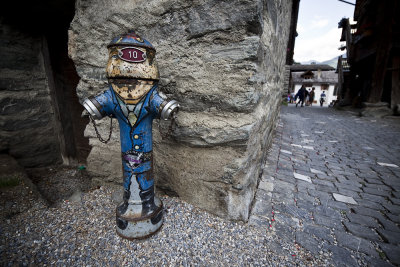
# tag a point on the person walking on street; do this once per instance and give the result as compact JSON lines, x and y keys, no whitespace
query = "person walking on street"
{"x":322,"y":99}
{"x":311,"y":96}
{"x":301,"y":95}
{"x":306,"y":94}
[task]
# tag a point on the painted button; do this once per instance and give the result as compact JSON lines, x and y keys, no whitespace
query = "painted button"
{"x":136,"y":136}
{"x":137,"y":147}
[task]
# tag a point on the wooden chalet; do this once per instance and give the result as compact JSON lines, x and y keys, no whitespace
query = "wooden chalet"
{"x":320,"y":76}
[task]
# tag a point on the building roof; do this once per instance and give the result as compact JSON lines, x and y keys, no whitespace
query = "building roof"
{"x":330,"y":77}
{"x":312,"y":67}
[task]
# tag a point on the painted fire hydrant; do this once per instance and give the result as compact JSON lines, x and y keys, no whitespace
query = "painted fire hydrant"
{"x":133,"y":99}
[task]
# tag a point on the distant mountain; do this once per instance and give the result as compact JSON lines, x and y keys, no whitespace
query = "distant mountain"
{"x":310,"y":62}
{"x":331,"y":62}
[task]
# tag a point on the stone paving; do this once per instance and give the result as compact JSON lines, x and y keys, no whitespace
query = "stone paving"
{"x":332,"y":184}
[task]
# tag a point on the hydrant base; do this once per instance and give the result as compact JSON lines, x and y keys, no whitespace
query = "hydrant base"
{"x":140,"y":227}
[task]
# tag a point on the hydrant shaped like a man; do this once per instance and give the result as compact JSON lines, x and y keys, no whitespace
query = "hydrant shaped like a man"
{"x":133,"y":99}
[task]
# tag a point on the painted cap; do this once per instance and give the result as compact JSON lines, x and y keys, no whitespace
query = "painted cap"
{"x":131,"y":39}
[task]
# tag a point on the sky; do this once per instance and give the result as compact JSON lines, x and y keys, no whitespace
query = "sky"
{"x":317,"y":27}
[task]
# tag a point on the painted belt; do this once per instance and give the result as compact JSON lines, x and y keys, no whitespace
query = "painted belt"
{"x":134,"y":158}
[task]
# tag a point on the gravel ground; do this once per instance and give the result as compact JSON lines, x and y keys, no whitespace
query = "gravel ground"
{"x":83,"y":233}
{"x":56,"y":183}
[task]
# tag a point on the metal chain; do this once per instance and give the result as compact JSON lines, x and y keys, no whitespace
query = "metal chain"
{"x":97,"y":132}
{"x":170,"y":128}
{"x":163,"y":135}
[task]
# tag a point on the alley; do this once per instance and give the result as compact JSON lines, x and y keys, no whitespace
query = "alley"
{"x":333,"y":179}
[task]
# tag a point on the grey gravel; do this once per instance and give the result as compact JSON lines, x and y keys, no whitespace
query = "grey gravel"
{"x":83,"y":233}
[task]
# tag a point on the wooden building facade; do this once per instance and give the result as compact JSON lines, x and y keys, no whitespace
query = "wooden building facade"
{"x":370,"y":71}
{"x":322,"y":77}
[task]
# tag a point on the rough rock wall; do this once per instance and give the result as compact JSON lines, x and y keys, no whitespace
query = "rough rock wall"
{"x":26,"y":113}
{"x":223,"y":61}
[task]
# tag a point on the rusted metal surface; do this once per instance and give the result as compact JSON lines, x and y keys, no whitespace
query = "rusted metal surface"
{"x":131,"y":92}
{"x":119,"y":68}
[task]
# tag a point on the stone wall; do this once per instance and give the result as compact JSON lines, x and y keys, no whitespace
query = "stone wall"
{"x":224,"y":61}
{"x":26,"y":114}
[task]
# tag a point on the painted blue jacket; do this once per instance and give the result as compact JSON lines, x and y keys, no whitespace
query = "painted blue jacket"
{"x":135,"y":136}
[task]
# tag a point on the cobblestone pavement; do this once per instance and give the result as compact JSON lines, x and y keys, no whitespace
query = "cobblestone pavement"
{"x":332,"y":184}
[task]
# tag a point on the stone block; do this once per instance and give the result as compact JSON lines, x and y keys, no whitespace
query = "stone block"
{"x":394,"y":209}
{"x":319,"y":231}
{"x":304,"y":196}
{"x":394,"y":217}
{"x":374,"y":198}
{"x":391,"y":252}
{"x":267,"y":186}
{"x":377,"y":192}
{"x":369,"y":212}
{"x":323,"y":196}
{"x":390,"y":236}
{"x":285,"y":232}
{"x":349,"y":185}
{"x":378,"y":262}
{"x":308,"y":242}
{"x":258,"y":221}
{"x":344,"y":199}
{"x":198,"y":182}
{"x":262,"y":208}
{"x":283,"y":219}
{"x":361,"y":219}
{"x":337,"y":205}
{"x":388,"y":224}
{"x":357,"y":244}
{"x":302,"y":177}
{"x":362,"y":231}
{"x":323,"y":182}
{"x":327,"y":221}
{"x":326,"y":188}
{"x":341,"y":256}
{"x":350,"y":193}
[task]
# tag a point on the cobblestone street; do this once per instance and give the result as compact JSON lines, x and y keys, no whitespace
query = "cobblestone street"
{"x":333,"y":179}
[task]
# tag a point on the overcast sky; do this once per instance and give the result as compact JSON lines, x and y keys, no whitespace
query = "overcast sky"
{"x":317,"y":26}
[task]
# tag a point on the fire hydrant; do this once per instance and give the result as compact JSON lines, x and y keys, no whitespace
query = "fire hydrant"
{"x":133,"y":99}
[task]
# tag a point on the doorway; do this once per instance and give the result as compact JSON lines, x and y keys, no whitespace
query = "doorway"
{"x":49,"y":22}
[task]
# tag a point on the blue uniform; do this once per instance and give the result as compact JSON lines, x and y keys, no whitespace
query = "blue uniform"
{"x":135,"y":122}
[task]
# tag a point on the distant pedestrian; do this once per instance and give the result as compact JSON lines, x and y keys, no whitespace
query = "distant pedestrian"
{"x":306,"y":93}
{"x":323,"y":98}
{"x":301,"y":94}
{"x":311,"y":96}
{"x":292,"y":98}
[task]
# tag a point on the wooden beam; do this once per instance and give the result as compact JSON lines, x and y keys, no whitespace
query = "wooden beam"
{"x":383,"y":33}
{"x":395,"y":95}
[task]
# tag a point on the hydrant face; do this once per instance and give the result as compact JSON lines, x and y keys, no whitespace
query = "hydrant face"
{"x":127,"y":61}
{"x":132,"y":68}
